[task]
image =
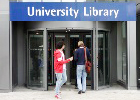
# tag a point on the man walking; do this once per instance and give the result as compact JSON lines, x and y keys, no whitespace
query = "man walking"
{"x":79,"y":57}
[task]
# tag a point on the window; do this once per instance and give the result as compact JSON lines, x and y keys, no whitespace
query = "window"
{"x":51,"y":0}
{"x":31,"y":0}
{"x":68,"y":0}
{"x":81,"y":0}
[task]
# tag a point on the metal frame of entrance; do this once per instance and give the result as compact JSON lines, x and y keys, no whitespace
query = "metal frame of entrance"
{"x":92,"y":31}
{"x":45,"y":59}
{"x":94,"y":40}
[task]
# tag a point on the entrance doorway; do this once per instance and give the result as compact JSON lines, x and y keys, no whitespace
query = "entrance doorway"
{"x":100,"y":74}
{"x":71,"y":39}
{"x":40,"y":49}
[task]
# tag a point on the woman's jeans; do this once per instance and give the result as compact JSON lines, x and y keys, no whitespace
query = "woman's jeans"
{"x":81,"y":72}
{"x":58,"y":82}
{"x":64,"y":77}
{"x":61,"y":79}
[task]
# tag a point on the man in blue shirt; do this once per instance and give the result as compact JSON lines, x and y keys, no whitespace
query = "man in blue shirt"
{"x":79,"y":57}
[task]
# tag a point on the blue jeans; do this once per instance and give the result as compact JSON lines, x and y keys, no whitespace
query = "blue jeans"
{"x":64,"y":77}
{"x":58,"y":82}
{"x":81,"y":72}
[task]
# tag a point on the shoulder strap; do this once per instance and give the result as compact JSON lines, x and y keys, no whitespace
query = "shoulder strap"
{"x":85,"y":53}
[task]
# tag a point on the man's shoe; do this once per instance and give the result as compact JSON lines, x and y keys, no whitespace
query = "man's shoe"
{"x":80,"y":92}
{"x":83,"y":91}
{"x":76,"y":87}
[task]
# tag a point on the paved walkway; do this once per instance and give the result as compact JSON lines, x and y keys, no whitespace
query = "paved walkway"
{"x":69,"y":93}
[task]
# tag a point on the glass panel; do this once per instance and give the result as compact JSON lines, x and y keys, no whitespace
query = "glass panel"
{"x":73,"y":45}
{"x":105,"y":0}
{"x":35,"y":67}
{"x":120,"y":0}
{"x":87,"y":42}
{"x":81,"y":0}
{"x":107,"y":71}
{"x":124,"y":52}
{"x":90,"y":0}
{"x":103,"y":59}
{"x":100,"y":59}
{"x":31,"y":0}
{"x":51,"y":0}
{"x":57,"y":39}
{"x":68,"y":0}
{"x":50,"y":70}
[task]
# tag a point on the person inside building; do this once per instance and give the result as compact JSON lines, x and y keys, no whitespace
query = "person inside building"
{"x":79,"y":57}
{"x":60,"y":67}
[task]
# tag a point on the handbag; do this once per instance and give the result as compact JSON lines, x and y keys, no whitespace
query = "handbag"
{"x":87,"y":63}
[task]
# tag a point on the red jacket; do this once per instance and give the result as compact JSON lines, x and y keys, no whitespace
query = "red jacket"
{"x":58,"y":62}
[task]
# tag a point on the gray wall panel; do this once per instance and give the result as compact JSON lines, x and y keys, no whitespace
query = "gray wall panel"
{"x":104,"y":25}
{"x":67,"y":24}
{"x":113,"y":52}
{"x":20,"y":53}
{"x":131,"y":30}
{"x":4,"y":52}
{"x":60,"y":24}
{"x":14,"y":55}
{"x":4,"y":5}
{"x":138,"y":48}
{"x":119,"y":51}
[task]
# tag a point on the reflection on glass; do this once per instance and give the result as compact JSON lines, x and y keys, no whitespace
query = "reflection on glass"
{"x":35,"y":67}
{"x":31,"y":0}
{"x":51,"y":0}
{"x":124,"y":52}
{"x":120,"y":0}
{"x":68,"y":0}
{"x":87,"y":42}
{"x":103,"y":61}
{"x":73,"y":45}
{"x":81,"y":0}
{"x":104,"y":0}
{"x":50,"y":68}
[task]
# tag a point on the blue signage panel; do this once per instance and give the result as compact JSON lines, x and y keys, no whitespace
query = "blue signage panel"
{"x":74,"y":11}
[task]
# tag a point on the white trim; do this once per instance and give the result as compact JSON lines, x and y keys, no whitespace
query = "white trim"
{"x":4,"y":12}
{"x":128,"y":52}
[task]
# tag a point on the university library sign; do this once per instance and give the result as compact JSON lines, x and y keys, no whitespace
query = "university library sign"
{"x":74,"y":11}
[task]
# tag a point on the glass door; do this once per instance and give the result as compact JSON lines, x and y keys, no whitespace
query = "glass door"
{"x":88,"y":43}
{"x":35,"y":60}
{"x":74,"y":39}
{"x":52,"y":41}
{"x":101,"y":58}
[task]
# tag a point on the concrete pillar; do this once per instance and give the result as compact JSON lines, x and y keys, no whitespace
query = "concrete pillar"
{"x":131,"y":50}
{"x":5,"y":67}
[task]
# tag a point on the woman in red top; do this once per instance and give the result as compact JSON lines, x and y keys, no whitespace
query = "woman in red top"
{"x":59,"y":66}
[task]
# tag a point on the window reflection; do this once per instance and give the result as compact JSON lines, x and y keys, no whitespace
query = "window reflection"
{"x":105,"y":0}
{"x":68,"y":0}
{"x":31,"y":0}
{"x":51,"y":0}
{"x":81,"y":0}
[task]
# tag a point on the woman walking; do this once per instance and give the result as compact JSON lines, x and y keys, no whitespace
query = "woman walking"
{"x":60,"y":67}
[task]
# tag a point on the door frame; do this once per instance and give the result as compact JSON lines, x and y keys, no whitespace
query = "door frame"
{"x":95,"y":43}
{"x":94,"y":40}
{"x":45,"y":87}
{"x":92,"y":31}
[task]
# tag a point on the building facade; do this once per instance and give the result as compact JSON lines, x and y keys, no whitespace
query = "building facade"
{"x":27,"y":50}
